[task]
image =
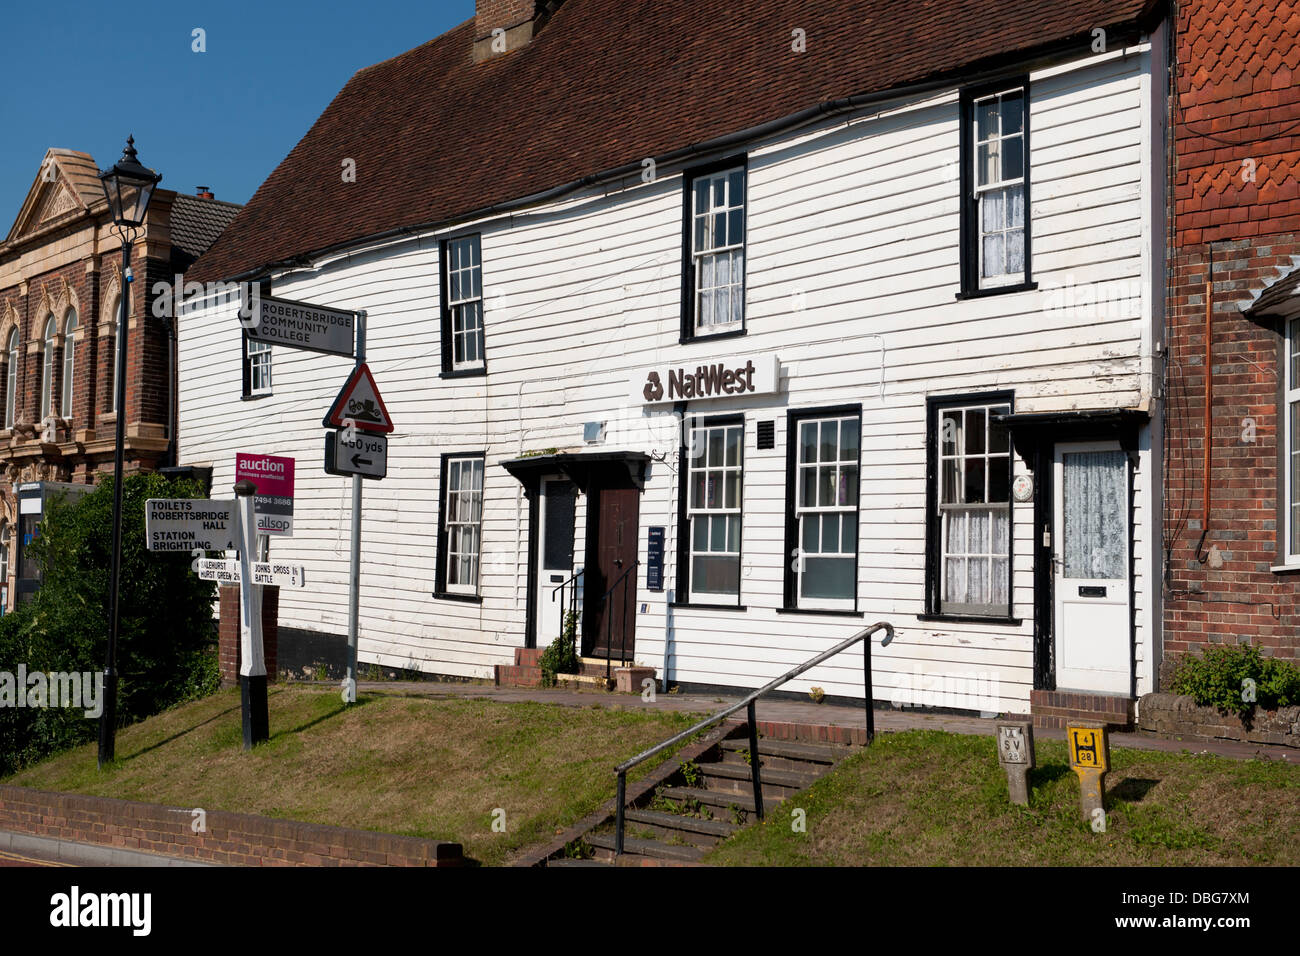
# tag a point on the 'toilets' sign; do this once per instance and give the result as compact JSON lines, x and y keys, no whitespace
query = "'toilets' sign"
{"x":300,"y":325}
{"x":720,"y":378}
{"x":189,"y":524}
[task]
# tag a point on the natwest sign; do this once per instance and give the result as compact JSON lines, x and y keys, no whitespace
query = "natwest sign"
{"x":712,"y":378}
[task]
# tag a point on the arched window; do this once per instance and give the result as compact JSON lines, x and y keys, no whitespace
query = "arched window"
{"x":11,"y":378}
{"x":47,"y":369}
{"x":111,"y":376}
{"x":69,"y":362}
{"x":4,"y":554}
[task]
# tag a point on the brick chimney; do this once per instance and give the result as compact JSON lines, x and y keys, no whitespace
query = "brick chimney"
{"x":517,"y":20}
{"x":203,"y":192}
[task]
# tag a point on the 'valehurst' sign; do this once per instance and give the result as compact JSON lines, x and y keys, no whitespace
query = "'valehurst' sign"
{"x":712,"y":378}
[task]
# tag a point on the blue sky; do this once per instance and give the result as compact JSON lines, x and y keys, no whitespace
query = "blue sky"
{"x":84,"y":75}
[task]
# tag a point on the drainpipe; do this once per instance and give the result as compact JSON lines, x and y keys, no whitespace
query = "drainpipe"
{"x":1209,"y":403}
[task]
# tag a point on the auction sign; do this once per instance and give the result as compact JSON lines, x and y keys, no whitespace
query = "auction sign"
{"x":273,"y":500}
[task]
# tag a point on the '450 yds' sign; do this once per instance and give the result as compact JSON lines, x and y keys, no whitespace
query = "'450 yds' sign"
{"x":722,"y":378}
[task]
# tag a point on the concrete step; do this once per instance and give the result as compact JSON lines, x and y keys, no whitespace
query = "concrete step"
{"x":551,"y":863}
{"x":691,"y":829}
{"x":639,"y":847}
{"x":791,"y":749}
{"x":742,"y":772}
{"x":710,"y":798}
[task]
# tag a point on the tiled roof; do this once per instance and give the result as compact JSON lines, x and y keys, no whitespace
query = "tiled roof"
{"x":435,"y":136}
{"x":196,"y":223}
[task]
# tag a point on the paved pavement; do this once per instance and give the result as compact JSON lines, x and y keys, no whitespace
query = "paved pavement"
{"x":806,"y":712}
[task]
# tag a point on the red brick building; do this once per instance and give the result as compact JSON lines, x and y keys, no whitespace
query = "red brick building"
{"x":1232,"y":504}
{"x":60,"y":284}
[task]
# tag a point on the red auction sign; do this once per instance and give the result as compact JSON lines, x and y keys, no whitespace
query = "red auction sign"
{"x":273,"y":500}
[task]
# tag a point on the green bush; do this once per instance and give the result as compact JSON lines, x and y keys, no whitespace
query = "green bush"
{"x":1218,"y":679}
{"x":561,"y":657}
{"x":166,"y":650}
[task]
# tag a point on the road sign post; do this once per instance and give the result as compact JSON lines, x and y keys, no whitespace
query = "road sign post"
{"x":252,"y":667}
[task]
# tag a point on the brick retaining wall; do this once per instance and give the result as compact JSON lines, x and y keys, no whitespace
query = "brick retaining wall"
{"x":234,"y":839}
{"x":1177,"y":715}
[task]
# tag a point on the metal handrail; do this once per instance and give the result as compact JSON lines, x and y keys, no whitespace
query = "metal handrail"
{"x":609,"y":621}
{"x":573,"y":596}
{"x":748,"y":703}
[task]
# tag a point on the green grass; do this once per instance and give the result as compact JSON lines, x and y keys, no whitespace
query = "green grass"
{"x":928,"y":798}
{"x":417,"y":766}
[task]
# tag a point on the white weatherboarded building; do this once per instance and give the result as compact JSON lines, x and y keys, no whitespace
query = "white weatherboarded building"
{"x":894,"y":364}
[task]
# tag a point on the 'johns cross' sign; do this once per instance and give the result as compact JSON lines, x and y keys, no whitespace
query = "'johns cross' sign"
{"x":359,"y":404}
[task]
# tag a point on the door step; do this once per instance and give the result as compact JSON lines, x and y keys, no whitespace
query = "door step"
{"x":640,"y":847}
{"x":527,"y":672}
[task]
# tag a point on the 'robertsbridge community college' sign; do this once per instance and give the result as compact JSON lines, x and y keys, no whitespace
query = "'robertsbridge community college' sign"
{"x":300,"y":325}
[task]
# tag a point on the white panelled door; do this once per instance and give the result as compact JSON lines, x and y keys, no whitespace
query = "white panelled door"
{"x":1091,"y":568}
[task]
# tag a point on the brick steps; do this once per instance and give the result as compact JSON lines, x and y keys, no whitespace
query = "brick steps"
{"x":526,"y":671}
{"x":1054,"y":709}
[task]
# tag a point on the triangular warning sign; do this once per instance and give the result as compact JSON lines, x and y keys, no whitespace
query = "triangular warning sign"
{"x":358,"y":403}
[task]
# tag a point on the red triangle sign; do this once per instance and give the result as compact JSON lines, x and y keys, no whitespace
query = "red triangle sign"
{"x":359,"y":403}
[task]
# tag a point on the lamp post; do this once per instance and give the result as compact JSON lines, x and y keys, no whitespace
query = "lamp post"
{"x":128,"y":187}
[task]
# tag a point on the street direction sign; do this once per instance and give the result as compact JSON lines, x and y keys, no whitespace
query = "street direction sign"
{"x":364,"y":454}
{"x":358,"y":403}
{"x":226,"y":571}
{"x":187,"y":524}
{"x":300,"y":325}
{"x":273,"y":500}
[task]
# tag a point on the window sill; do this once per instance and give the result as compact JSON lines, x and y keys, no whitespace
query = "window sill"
{"x":823,"y":612}
{"x":971,"y":619}
{"x":997,"y":290}
{"x":253,"y":398}
{"x":464,"y":372}
{"x":1276,"y":569}
{"x":696,"y":606}
{"x":466,"y":598}
{"x":712,"y":336}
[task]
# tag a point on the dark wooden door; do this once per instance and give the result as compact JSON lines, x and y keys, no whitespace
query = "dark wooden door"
{"x":612,"y":527}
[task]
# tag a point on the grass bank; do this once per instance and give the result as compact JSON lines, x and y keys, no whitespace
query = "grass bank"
{"x":927,"y":798}
{"x":428,"y":768}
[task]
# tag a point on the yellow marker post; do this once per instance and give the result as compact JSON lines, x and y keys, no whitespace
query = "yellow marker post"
{"x":1090,"y":759}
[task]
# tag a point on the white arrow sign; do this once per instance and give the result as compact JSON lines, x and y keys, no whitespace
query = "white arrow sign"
{"x":188,"y":524}
{"x":226,"y":571}
{"x":365,"y":454}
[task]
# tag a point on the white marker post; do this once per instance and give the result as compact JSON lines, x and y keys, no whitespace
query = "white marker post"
{"x":354,"y":574}
{"x":252,"y":667}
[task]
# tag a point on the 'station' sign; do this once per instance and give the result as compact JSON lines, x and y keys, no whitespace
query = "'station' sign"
{"x":301,"y":325}
{"x":187,"y":524}
{"x":712,"y":378}
{"x":273,"y":500}
{"x":227,"y":571}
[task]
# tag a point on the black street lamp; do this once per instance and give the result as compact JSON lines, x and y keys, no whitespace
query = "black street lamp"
{"x":128,"y":186}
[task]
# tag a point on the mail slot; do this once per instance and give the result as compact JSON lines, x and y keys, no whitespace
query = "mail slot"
{"x":557,"y":578}
{"x":1092,"y":590}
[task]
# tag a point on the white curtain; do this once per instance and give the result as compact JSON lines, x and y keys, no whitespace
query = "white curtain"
{"x":1096,"y":514}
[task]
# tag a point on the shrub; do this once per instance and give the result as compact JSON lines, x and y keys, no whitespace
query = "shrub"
{"x":1218,"y":679}
{"x":561,"y":657}
{"x":166,"y":644}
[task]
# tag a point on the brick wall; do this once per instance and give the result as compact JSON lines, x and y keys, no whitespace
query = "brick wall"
{"x":1235,"y":219}
{"x":228,"y":641}
{"x":232,"y":839}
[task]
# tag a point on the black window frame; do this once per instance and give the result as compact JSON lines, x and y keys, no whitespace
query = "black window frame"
{"x":440,"y":572}
{"x":682,"y":595}
{"x":689,"y":176}
{"x":449,"y":369}
{"x":970,"y":235}
{"x":791,"y":578}
{"x":934,"y":404}
{"x":246,"y":390}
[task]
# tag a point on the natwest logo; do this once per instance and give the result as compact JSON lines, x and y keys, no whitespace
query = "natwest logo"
{"x":747,"y":375}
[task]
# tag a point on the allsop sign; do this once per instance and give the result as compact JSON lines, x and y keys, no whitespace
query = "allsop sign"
{"x":713,"y":378}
